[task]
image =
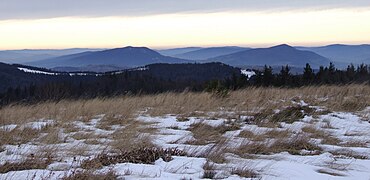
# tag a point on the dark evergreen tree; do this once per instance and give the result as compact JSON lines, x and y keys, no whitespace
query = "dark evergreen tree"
{"x":268,"y":77}
{"x":308,"y":75}
{"x":284,"y":76}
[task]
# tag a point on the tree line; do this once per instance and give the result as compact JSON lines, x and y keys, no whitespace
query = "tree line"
{"x":324,"y":76}
{"x":137,"y":82}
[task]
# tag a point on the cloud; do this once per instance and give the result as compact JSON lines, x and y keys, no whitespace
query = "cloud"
{"x":37,"y":9}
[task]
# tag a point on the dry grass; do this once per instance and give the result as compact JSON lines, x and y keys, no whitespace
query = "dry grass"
{"x":355,"y":143}
{"x":135,"y":135}
{"x":292,"y":145}
{"x":19,"y":135}
{"x":278,"y":134}
{"x":209,"y":170}
{"x":348,"y":153}
{"x":320,"y":134}
{"x":89,"y":175}
{"x":271,"y":134}
{"x":122,"y":111}
{"x":291,"y":114}
{"x":329,"y":172}
{"x":138,"y":156}
{"x":30,"y":163}
{"x":345,"y":98}
{"x":245,"y":172}
{"x":247,"y":134}
{"x":252,"y":148}
{"x":206,"y":134}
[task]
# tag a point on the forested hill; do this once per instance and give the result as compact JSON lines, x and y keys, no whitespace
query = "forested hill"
{"x":194,"y":72}
{"x":23,"y":83}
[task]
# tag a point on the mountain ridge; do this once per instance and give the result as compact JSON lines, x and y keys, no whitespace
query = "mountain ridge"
{"x":282,"y":54}
{"x":122,"y":57}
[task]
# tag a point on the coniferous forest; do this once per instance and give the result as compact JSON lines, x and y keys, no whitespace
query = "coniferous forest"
{"x":157,"y":78}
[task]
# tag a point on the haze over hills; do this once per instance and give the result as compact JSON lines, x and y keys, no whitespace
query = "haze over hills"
{"x":98,"y":60}
{"x":273,"y":56}
{"x":206,"y":53}
{"x":29,"y":55}
{"x":356,"y":54}
{"x":120,"y":57}
{"x":175,"y":51}
{"x":89,"y":68}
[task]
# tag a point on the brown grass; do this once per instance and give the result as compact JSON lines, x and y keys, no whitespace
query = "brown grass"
{"x":329,"y":172}
{"x":320,"y":134}
{"x":292,"y":145}
{"x":247,"y":134}
{"x":122,"y":110}
{"x":30,"y":163}
{"x":271,"y":134}
{"x":205,"y":134}
{"x":291,"y":114}
{"x":209,"y":171}
{"x":136,"y":134}
{"x":139,"y":156}
{"x":251,"y":148}
{"x":18,"y":135}
{"x":345,"y":98}
{"x":278,"y":134}
{"x":245,"y":172}
{"x":355,"y":143}
{"x":348,"y":153}
{"x":89,"y":175}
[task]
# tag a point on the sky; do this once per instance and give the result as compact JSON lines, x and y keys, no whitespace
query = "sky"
{"x":56,"y":24}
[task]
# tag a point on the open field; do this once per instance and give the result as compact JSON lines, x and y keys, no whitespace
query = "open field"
{"x":311,"y":132}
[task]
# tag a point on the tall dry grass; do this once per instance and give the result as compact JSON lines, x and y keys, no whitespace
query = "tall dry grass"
{"x":345,"y":98}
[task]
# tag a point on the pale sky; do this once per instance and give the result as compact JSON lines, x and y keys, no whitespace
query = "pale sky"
{"x":169,"y":23}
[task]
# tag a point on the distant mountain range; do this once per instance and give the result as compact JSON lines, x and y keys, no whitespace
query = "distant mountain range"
{"x":89,"y":68}
{"x":175,"y":51}
{"x":29,"y":55}
{"x":273,"y":56}
{"x":212,"y":52}
{"x":120,"y":57}
{"x":100,"y":60}
{"x":356,"y":54}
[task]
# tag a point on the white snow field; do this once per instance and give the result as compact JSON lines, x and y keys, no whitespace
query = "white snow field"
{"x":340,"y":148}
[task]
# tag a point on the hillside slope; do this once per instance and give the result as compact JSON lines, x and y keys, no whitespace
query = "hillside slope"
{"x":121,"y":57}
{"x":273,"y":56}
{"x":211,"y":52}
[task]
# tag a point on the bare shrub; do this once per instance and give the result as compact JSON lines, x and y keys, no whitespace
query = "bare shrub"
{"x":245,"y":172}
{"x":89,"y":175}
{"x":329,"y":172}
{"x":141,"y":155}
{"x":292,"y":114}
{"x":294,"y":145}
{"x":209,"y":170}
{"x":30,"y":163}
{"x":204,"y":134}
{"x":247,"y":134}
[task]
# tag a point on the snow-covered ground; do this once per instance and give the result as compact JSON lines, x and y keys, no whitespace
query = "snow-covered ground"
{"x":36,"y":71}
{"x":248,"y":73}
{"x":175,"y":133}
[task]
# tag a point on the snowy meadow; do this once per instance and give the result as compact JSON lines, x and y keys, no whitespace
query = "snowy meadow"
{"x":316,"y":132}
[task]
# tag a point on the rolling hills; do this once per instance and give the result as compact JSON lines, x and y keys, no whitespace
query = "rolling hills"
{"x":356,"y":54}
{"x":273,"y":56}
{"x":120,"y":57}
{"x":206,"y":53}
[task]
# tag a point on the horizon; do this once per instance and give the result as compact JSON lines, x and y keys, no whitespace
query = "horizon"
{"x":178,"y":47}
{"x":42,"y":24}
